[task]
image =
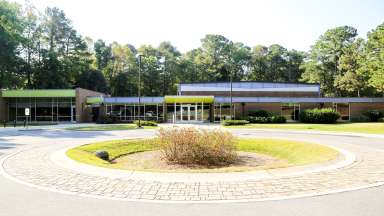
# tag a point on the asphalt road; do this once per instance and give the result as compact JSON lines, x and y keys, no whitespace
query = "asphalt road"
{"x":21,"y":200}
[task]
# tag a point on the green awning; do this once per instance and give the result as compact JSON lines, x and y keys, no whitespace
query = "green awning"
{"x":28,"y":93}
{"x":189,"y":99}
{"x":95,"y":100}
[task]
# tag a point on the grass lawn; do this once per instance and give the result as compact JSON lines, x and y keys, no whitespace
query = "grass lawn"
{"x":116,"y":148}
{"x":293,"y":153}
{"x":109,"y":127}
{"x":371,"y":128}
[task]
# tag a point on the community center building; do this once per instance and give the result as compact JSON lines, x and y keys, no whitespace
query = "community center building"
{"x":194,"y":102}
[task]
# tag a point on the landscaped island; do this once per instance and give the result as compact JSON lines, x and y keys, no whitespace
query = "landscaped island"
{"x":185,"y":153}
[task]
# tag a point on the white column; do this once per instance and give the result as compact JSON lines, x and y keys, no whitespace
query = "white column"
{"x":181,"y":112}
{"x":202,"y":111}
{"x":196,"y":112}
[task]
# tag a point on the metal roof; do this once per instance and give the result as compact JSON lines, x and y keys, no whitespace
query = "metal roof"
{"x":249,"y":87}
{"x":127,"y":100}
{"x":297,"y":100}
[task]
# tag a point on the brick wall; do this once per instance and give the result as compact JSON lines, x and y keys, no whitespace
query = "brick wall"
{"x":242,"y":109}
{"x":304,"y":106}
{"x":84,"y":112}
{"x":357,"y":109}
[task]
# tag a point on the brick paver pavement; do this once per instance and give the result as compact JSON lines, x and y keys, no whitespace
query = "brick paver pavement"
{"x":34,"y":166}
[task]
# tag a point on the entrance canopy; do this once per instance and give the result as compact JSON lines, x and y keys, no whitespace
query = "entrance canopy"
{"x":189,"y":99}
{"x":38,"y":93}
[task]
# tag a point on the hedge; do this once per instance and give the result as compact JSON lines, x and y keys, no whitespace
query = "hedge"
{"x":271,"y":119}
{"x":235,"y":122}
{"x":145,"y":123}
{"x":373,"y":115}
{"x":323,"y":116}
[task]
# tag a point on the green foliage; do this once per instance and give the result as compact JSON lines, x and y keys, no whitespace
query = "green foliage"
{"x":43,"y":50}
{"x":11,"y":30}
{"x":375,"y":58}
{"x":373,"y":115}
{"x":278,"y":119}
{"x":235,"y":122}
{"x":361,"y":118}
{"x":324,"y":58}
{"x":322,"y":116}
{"x":92,"y":80}
{"x":269,"y":119}
{"x":145,"y":123}
{"x":258,"y":113}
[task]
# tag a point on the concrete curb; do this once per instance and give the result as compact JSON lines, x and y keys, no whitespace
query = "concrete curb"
{"x":61,"y":159}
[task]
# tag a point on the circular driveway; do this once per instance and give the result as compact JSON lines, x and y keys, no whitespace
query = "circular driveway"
{"x":26,"y":165}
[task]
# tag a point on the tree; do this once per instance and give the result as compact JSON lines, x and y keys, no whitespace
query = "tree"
{"x":103,"y":54}
{"x":170,"y":68}
{"x":375,"y":58}
{"x":258,"y":63}
{"x":352,"y":79}
{"x":92,"y":80}
{"x":275,"y":63}
{"x":323,"y":63}
{"x":11,"y":38}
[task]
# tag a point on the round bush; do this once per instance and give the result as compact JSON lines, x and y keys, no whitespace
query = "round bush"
{"x":104,"y":155}
{"x":189,"y":145}
{"x":322,"y":116}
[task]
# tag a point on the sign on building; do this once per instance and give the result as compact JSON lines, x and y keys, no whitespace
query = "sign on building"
{"x":27,"y":113}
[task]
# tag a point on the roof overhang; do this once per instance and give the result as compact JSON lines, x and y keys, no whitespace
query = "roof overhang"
{"x":38,"y":93}
{"x":298,"y":100}
{"x":133,"y":100}
{"x":94,"y":100}
{"x":189,"y":99}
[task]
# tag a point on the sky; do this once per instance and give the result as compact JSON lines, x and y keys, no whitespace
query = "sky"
{"x":294,"y":24}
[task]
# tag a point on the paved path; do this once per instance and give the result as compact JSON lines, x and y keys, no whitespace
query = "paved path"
{"x":21,"y":200}
{"x":34,"y":166}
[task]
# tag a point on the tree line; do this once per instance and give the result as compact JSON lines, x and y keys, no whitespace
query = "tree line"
{"x":44,"y":51}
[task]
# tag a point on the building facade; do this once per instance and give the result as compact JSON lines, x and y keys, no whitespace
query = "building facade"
{"x":194,"y":102}
{"x":54,"y":105}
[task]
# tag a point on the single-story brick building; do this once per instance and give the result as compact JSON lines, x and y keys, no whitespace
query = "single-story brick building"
{"x":194,"y":102}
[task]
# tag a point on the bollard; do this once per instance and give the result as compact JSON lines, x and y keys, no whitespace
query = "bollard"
{"x":25,"y":123}
{"x":14,"y":123}
{"x":5,"y":123}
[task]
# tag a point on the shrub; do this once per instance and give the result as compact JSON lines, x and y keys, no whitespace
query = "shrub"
{"x":373,"y":115}
{"x":258,"y":113}
{"x":145,"y":123}
{"x":104,"y":155}
{"x":235,"y":122}
{"x":271,"y":119}
{"x":278,"y":119}
{"x":192,"y":146}
{"x":361,"y":118}
{"x":103,"y":119}
{"x":323,"y":116}
{"x":257,"y":119}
